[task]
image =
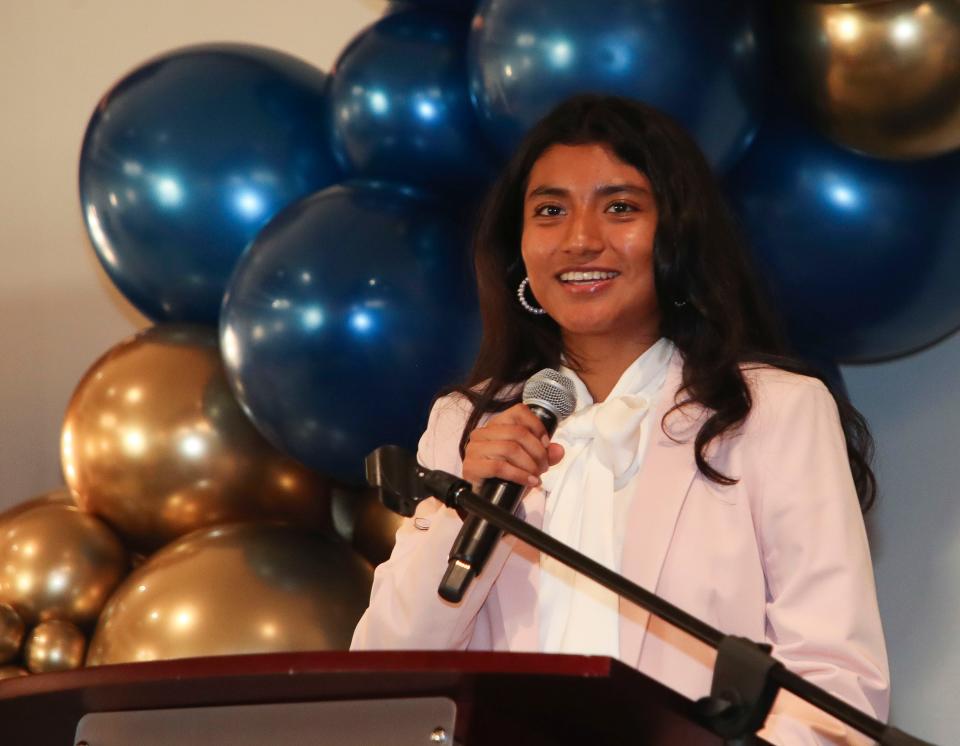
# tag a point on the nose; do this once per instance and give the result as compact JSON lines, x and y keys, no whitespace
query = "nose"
{"x":583,"y":233}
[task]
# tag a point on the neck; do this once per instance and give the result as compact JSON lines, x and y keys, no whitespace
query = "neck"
{"x":604,"y":359}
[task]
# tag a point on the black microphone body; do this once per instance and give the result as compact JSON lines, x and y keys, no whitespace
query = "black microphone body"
{"x":477,"y":538}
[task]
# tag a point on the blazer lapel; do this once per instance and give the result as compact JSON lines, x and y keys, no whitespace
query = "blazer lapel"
{"x":664,"y":481}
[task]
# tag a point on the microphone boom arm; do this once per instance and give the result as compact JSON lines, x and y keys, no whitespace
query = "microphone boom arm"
{"x":746,"y":678}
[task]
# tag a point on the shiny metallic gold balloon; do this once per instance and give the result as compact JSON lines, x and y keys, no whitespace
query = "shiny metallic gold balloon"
{"x":241,"y":588}
{"x":11,"y":633}
{"x":54,"y":646}
{"x":156,"y":444}
{"x":12,"y":672}
{"x":882,"y":78}
{"x":57,"y":562}
{"x":360,"y":518}
{"x":62,"y":496}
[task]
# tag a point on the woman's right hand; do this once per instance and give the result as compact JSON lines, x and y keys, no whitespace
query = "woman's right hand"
{"x":513,"y":445}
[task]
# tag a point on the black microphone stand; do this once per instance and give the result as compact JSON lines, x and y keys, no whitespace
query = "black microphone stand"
{"x":746,"y":677}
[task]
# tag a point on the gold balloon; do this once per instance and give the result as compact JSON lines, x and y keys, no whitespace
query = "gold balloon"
{"x":56,"y":497}
{"x":360,"y":518}
{"x":54,"y":646}
{"x":241,"y":588}
{"x":12,"y":672}
{"x":882,"y":78}
{"x":11,"y":633}
{"x":155,"y":443}
{"x":57,"y":562}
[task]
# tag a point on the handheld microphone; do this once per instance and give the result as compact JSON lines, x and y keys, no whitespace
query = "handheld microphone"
{"x":551,"y":396}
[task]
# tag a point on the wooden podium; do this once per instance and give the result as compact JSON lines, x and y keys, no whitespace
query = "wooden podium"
{"x":494,"y":698}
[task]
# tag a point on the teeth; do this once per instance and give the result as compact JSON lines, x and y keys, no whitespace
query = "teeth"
{"x":587,"y":276}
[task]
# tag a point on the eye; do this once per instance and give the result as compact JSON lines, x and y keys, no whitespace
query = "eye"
{"x":548,"y":211}
{"x":620,"y":207}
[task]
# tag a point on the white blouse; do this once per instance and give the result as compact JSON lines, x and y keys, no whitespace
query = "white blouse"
{"x":588,"y":497}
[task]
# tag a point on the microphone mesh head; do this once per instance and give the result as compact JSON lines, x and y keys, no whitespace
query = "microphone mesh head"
{"x":552,"y":390}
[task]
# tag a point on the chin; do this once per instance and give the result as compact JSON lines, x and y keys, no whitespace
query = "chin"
{"x":581,"y":326}
{"x":583,"y":323}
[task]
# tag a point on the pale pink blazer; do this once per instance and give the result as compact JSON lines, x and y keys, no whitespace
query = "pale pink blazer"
{"x":781,"y":556}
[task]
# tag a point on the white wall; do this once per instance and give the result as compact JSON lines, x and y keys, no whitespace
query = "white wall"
{"x":58,"y":313}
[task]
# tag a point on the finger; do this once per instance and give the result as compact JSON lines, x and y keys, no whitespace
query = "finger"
{"x":502,"y":469}
{"x":520,"y":414}
{"x":534,"y":423}
{"x":511,"y":451}
{"x":515,"y":434}
{"x":555,"y":454}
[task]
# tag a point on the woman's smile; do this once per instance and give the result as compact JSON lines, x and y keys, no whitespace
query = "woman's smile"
{"x":587,"y":281}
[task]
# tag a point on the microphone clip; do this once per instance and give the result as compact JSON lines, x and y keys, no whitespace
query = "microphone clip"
{"x":402,"y":484}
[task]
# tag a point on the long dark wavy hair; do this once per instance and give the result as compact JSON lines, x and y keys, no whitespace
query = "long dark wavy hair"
{"x":711,"y":303}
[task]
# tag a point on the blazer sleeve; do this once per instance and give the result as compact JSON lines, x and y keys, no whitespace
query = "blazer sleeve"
{"x":822,"y":616}
{"x":405,"y":611}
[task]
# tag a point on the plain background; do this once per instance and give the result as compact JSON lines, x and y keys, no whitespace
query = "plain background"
{"x":58,"y":312}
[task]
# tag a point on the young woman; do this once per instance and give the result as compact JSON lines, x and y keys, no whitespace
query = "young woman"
{"x":699,"y":462}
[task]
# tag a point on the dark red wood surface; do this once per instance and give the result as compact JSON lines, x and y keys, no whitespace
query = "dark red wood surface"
{"x":501,"y":697}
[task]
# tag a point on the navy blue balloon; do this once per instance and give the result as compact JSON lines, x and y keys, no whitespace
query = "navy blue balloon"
{"x":695,"y":59}
{"x":401,"y":106}
{"x":449,"y":6}
{"x":343,"y":319}
{"x":863,"y":255}
{"x":187,"y":157}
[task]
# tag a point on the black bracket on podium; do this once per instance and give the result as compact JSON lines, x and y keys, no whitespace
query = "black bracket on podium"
{"x":746,"y":678}
{"x":743,"y":688}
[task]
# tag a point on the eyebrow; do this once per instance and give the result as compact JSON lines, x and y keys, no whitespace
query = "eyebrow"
{"x":604,"y":190}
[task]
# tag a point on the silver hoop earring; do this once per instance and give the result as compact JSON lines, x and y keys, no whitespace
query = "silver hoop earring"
{"x":536,"y":310}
